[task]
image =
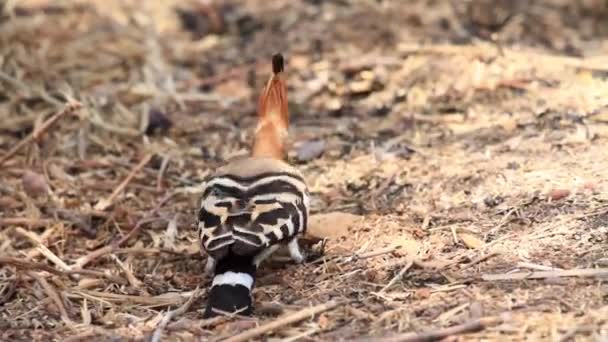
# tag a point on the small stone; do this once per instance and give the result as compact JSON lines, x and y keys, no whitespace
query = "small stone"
{"x":158,"y":122}
{"x":34,"y":184}
{"x":493,"y":201}
{"x":422,"y":293}
{"x":558,"y":194}
{"x":310,"y":150}
{"x":512,"y":166}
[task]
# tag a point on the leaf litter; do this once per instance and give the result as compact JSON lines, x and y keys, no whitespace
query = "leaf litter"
{"x":458,"y":175}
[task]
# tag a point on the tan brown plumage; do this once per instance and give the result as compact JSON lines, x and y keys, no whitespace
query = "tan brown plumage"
{"x":271,"y":132}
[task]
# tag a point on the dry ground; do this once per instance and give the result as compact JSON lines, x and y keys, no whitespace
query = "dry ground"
{"x":460,"y":167}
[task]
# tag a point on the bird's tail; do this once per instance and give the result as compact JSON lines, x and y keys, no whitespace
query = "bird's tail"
{"x":271,"y":132}
{"x":231,"y":288}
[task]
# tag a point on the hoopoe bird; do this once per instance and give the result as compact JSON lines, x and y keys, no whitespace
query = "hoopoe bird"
{"x":251,"y":206}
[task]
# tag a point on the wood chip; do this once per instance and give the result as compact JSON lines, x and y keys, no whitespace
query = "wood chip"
{"x":470,"y":240}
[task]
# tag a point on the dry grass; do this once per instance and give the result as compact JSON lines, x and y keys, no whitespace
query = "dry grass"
{"x":467,"y":168}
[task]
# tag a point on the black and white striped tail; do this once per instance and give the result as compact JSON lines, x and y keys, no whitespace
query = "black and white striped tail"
{"x":231,"y":288}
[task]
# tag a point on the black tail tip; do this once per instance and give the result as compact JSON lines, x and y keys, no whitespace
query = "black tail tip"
{"x":278,"y":63}
{"x":229,"y":299}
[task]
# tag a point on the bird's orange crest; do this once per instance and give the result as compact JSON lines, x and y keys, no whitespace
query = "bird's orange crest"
{"x":271,"y":132}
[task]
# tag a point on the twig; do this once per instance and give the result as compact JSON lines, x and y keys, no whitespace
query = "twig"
{"x":398,"y":276}
{"x":24,"y":264}
{"x":93,"y":119}
{"x":569,"y":335}
{"x":215,"y":321}
{"x":186,"y":325}
{"x":50,"y":291}
{"x":444,"y":317}
{"x":161,"y":173}
{"x":375,"y":253}
{"x":69,"y":108}
{"x":104,"y":204}
{"x":30,"y":90}
{"x":43,"y":238}
{"x":31,"y":265}
{"x":143,"y":250}
{"x":233,"y":72}
{"x":92,"y":333}
{"x":583,"y":272}
{"x":169,"y":298}
{"x":282,"y":321}
{"x":174,"y":313}
{"x":503,"y":221}
{"x":133,"y":281}
{"x":84,"y":260}
{"x":183,"y":96}
{"x":478,"y":260}
{"x":24,"y":221}
{"x":145,"y":219}
{"x":537,"y":267}
{"x":470,"y":327}
{"x":44,"y":250}
{"x":448,"y":288}
{"x":302,"y":335}
{"x":454,"y":234}
{"x":344,"y":259}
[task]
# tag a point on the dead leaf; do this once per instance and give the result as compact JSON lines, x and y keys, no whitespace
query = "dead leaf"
{"x":470,"y":240}
{"x":331,"y":225}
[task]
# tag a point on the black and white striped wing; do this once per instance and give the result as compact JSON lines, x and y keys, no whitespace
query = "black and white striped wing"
{"x":281,"y":216}
{"x":277,"y":211}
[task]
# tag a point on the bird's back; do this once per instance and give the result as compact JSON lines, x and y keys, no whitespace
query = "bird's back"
{"x":257,"y":202}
